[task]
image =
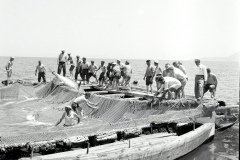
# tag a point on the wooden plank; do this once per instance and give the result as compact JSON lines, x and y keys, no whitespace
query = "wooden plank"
{"x":98,"y":92}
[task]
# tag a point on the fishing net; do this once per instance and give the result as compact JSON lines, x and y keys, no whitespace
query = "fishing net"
{"x":55,"y":92}
{"x":10,"y":92}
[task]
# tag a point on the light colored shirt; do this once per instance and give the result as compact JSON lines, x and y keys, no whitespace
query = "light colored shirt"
{"x":211,"y":79}
{"x":149,"y":71}
{"x":62,"y":58}
{"x":178,"y":74}
{"x":103,"y":68}
{"x":40,"y":68}
{"x":116,"y":68}
{"x":80,"y":100}
{"x":69,"y":120}
{"x":93,"y":68}
{"x":182,"y":68}
{"x":202,"y":70}
{"x":85,"y":65}
{"x":127,"y":69}
{"x":169,"y":81}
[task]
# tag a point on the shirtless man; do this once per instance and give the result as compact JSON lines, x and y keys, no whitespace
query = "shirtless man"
{"x":76,"y":105}
{"x":9,"y":69}
{"x":211,"y":84}
{"x":148,"y":75}
{"x":41,"y":72}
{"x":169,"y":84}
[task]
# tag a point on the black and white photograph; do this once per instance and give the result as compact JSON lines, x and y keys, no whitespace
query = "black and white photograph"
{"x":119,"y":79}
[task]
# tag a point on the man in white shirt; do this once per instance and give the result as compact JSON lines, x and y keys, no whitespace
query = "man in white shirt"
{"x":41,"y":72}
{"x":169,"y":85}
{"x":61,"y":61}
{"x":92,"y":71}
{"x":200,"y":78}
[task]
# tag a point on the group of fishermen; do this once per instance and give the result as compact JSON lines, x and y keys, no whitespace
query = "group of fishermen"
{"x":109,"y":76}
{"x":174,"y":79}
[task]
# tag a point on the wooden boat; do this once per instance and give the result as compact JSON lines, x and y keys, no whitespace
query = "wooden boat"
{"x":155,"y":146}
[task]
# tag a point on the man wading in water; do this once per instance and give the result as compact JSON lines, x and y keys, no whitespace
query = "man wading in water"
{"x":69,"y":116}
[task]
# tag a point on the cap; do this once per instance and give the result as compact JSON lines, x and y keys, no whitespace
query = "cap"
{"x":78,"y":56}
{"x":12,"y":57}
{"x":156,"y":61}
{"x":119,"y":60}
{"x":68,"y":106}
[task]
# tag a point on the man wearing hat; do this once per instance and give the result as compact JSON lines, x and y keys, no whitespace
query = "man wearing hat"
{"x":158,"y":73}
{"x":78,"y":67}
{"x":148,"y":75}
{"x":9,"y":69}
{"x":200,"y":78}
{"x":61,"y":61}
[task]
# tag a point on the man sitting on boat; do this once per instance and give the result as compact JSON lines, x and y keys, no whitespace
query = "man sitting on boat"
{"x":76,"y":105}
{"x":69,"y":116}
{"x":169,"y":85}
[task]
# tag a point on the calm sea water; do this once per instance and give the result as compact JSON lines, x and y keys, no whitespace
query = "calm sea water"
{"x":225,"y":145}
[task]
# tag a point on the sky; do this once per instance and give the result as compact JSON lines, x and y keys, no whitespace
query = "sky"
{"x":134,"y":29}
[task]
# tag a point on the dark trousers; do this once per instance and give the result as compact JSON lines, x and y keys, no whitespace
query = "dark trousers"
{"x":61,"y":66}
{"x":41,"y":75}
{"x":85,"y":75}
{"x":198,"y":89}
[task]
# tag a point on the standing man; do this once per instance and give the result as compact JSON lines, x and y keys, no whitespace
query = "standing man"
{"x":102,"y":74}
{"x":116,"y":75}
{"x":72,"y":65}
{"x":158,"y":73}
{"x":200,"y":79}
{"x":127,"y":74}
{"x":92,"y":71}
{"x":78,"y":67}
{"x":85,"y":71}
{"x":41,"y":72}
{"x":211,"y":84}
{"x":121,"y":66}
{"x":9,"y":69}
{"x":148,"y":75}
{"x":61,"y":61}
{"x":180,"y":67}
